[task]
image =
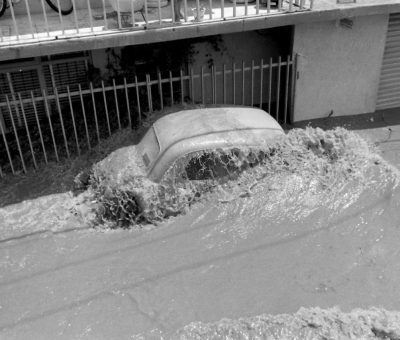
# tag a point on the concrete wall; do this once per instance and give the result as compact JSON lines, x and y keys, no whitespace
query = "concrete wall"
{"x":339,"y":67}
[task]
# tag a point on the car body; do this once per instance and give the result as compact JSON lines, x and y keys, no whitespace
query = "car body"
{"x":186,"y":132}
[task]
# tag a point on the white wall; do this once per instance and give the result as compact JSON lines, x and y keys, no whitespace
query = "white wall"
{"x":339,"y":67}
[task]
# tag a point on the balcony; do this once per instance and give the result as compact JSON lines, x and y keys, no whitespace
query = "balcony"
{"x":30,"y":22}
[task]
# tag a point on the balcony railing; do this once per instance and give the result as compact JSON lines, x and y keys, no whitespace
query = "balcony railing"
{"x":30,"y":21}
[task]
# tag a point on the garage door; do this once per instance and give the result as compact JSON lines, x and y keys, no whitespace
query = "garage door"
{"x":389,"y":85}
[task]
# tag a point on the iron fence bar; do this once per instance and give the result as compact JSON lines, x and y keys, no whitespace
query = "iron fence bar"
{"x":148,"y":87}
{"x":278,"y":87}
{"x":246,"y":7}
{"x":233,"y":83}
{"x":224,"y":84}
{"x":268,"y":6}
{"x":270,"y":85}
{"x":286,"y":90}
{"x":222,"y":9}
{"x":106,"y":109}
{"x":234,"y":8}
{"x":146,"y":10}
{"x":27,"y":132}
{"x":3,"y":133}
{"x":28,"y":11}
{"x":16,"y":134}
{"x":185,"y":9}
{"x":171,"y":88}
{"x":243,"y":80}
{"x":257,"y":7}
{"x":90,"y":16}
{"x":119,"y":16}
{"x":293,"y":85}
{"x":75,"y":16}
{"x":46,"y":105}
{"x":95,"y":113}
{"x":84,"y":116}
{"x":172,"y":11}
{"x":212,"y":78}
{"x":138,"y":99}
{"x":73,"y":120}
{"x":13,"y":19}
{"x":62,"y":122}
{"x":116,"y":104}
{"x":105,"y":14}
{"x":202,"y":85}
{"x":60,"y":16}
{"x":133,"y":13}
{"x":127,"y":104}
{"x":261,"y":82}
{"x":39,"y":128}
{"x":279,"y":5}
{"x":191,"y":85}
{"x":45,"y":18}
{"x":252,"y":83}
{"x":182,"y":87}
{"x":211,"y":7}
{"x":290,"y":5}
{"x":160,"y":93}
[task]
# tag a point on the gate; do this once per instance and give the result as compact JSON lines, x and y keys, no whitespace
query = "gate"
{"x":65,"y":121}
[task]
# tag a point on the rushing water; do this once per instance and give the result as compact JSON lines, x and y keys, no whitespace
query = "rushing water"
{"x":315,"y":223}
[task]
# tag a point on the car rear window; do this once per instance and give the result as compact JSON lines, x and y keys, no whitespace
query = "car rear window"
{"x":149,"y":147}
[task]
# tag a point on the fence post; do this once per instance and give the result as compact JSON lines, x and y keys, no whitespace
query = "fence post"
{"x":3,"y":133}
{"x":39,"y":128}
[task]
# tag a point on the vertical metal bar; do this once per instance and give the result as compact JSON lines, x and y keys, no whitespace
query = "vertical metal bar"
{"x":278,"y":87}
{"x":243,"y":87}
{"x":224,"y":84}
{"x":211,"y":7}
{"x":233,"y":83}
{"x":73,"y":120}
{"x":46,"y":105}
{"x":138,"y":99}
{"x":270,"y":86}
{"x":16,"y":134}
{"x":268,"y":6}
{"x":3,"y":133}
{"x":171,"y":88}
{"x":127,"y":104}
{"x":159,"y":12}
{"x":257,"y":6}
{"x":132,"y":13}
{"x":222,"y":9}
{"x":246,"y":7}
{"x":39,"y":128}
{"x":116,"y":104}
{"x":61,"y":122}
{"x":172,"y":10}
{"x":60,"y":16}
{"x":160,"y":92}
{"x":118,"y":15}
{"x":252,"y":83}
{"x":202,"y":85}
{"x":212,"y":84}
{"x":149,"y":97}
{"x":279,"y":5}
{"x":28,"y":11}
{"x":261,"y":81}
{"x":146,"y":10}
{"x":13,"y":18}
{"x":90,"y":15}
{"x":286,"y":89}
{"x":27,"y":131}
{"x":106,"y":108}
{"x":293,"y":85}
{"x":95,"y":113}
{"x":182,"y":88}
{"x":198,"y":10}
{"x":192,"y":85}
{"x":84,"y":116}
{"x":234,"y":8}
{"x":45,"y":18}
{"x":185,"y":9}
{"x":105,"y":14}
{"x":311,"y":4}
{"x":76,"y":16}
{"x":290,"y":5}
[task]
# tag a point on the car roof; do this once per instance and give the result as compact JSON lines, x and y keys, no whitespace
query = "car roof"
{"x":186,"y":124}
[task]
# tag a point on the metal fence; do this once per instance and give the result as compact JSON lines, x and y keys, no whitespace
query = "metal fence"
{"x":33,"y":21}
{"x":61,"y":122}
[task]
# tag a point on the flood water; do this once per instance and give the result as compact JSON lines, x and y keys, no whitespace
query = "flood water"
{"x":318,"y":227}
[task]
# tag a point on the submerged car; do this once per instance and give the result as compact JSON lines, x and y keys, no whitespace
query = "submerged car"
{"x":194,"y":135}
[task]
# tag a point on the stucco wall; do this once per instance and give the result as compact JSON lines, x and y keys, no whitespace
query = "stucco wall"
{"x":339,"y":67}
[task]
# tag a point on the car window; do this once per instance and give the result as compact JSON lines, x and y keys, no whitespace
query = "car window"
{"x":149,"y":147}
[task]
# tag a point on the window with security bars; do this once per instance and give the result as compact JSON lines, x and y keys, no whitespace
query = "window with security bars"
{"x":34,"y":77}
